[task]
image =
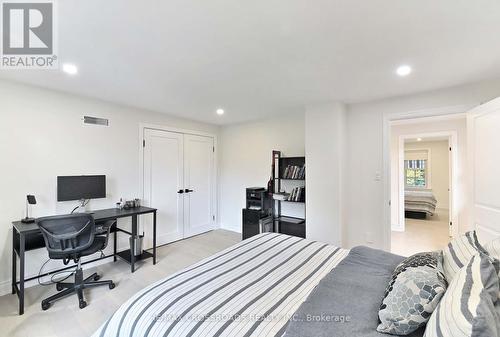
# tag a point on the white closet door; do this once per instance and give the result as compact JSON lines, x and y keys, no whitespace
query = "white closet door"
{"x":199,"y":215}
{"x":483,"y":124}
{"x":163,"y":178}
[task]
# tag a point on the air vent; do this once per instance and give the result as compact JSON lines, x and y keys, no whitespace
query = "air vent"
{"x":95,"y":121}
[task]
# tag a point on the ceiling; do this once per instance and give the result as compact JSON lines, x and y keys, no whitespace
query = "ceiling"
{"x":427,"y":139}
{"x":257,"y":58}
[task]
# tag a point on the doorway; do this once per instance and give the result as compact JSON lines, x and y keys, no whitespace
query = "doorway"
{"x":179,"y":180}
{"x":424,"y":166}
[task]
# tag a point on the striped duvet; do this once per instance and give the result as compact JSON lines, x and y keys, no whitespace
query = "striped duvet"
{"x":420,"y":201}
{"x":250,"y":289}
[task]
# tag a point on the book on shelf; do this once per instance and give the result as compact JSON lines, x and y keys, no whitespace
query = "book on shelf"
{"x":298,"y":194}
{"x":294,"y":172}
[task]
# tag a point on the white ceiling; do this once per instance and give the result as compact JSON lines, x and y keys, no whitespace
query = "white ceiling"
{"x":427,"y":139}
{"x":256,"y":58}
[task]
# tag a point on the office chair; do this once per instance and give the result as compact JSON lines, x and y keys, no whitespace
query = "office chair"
{"x":69,"y":237}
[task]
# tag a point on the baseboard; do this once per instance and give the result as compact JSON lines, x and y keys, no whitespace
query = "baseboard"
{"x":5,"y":287}
{"x":397,"y":228}
{"x":231,"y":228}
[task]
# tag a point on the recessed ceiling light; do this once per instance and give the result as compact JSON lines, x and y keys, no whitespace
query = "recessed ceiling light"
{"x":404,"y":70}
{"x":419,"y":139}
{"x":220,"y":112}
{"x":69,"y":68}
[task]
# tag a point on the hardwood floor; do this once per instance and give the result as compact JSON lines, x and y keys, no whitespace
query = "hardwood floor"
{"x":422,"y":235}
{"x":65,"y":319}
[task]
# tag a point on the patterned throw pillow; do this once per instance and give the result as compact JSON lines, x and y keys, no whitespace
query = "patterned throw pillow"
{"x":414,"y":292}
{"x":468,"y":307}
{"x":459,"y":252}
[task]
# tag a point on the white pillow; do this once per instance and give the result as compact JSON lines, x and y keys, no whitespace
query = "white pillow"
{"x":468,"y":306}
{"x":459,"y":252}
{"x":493,"y":248}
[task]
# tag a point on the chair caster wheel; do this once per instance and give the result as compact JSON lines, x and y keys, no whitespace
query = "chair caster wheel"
{"x":97,"y":278}
{"x":111,"y":285}
{"x":59,"y":287}
{"x":45,"y":305}
{"x":83,"y":304}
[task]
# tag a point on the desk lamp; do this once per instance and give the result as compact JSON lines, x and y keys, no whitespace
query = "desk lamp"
{"x":30,"y":200}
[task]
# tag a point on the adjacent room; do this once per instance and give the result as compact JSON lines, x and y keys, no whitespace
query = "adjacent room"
{"x":427,"y":159}
{"x":427,"y":188}
{"x":288,"y":169}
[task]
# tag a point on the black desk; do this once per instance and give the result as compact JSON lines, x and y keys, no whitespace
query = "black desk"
{"x":27,"y":237}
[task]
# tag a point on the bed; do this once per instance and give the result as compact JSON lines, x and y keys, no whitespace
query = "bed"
{"x":419,"y":204}
{"x":263,"y":286}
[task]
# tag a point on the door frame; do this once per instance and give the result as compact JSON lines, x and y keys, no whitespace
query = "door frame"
{"x":452,"y":138}
{"x":443,"y":113}
{"x":167,"y":128}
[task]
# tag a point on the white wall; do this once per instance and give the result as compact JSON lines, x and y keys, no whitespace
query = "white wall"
{"x":42,"y":136}
{"x":325,"y":143}
{"x":439,"y":169}
{"x":365,"y":206}
{"x":246,"y":157}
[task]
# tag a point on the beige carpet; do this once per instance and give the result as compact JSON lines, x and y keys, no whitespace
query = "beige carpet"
{"x":422,"y":235}
{"x":65,"y":319}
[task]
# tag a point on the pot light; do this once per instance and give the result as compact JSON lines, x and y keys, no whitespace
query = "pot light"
{"x":404,"y":70}
{"x":419,"y":139}
{"x":70,"y":69}
{"x":220,"y":112}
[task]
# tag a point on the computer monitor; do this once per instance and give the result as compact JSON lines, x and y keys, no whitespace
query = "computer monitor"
{"x":81,"y":187}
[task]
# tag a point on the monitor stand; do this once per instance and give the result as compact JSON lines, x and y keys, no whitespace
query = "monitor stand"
{"x":82,"y":207}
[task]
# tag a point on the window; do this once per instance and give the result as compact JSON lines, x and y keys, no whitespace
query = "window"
{"x":416,"y":173}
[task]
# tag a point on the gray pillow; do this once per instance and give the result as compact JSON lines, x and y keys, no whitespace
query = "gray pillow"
{"x":493,"y":249}
{"x":468,"y":307}
{"x":414,"y":292}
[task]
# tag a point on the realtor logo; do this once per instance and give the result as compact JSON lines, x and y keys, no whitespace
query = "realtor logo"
{"x":28,"y":35}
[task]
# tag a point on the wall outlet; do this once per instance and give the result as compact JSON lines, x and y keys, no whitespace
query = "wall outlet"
{"x":378,"y":176}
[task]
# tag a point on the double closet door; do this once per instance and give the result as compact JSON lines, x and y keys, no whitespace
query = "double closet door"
{"x":179,"y":180}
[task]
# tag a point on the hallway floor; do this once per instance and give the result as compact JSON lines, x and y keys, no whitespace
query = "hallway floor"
{"x":422,"y":235}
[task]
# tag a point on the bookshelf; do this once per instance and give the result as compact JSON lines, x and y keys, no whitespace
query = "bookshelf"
{"x":289,"y":175}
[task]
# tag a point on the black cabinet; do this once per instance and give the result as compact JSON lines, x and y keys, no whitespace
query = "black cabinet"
{"x":251,"y":220}
{"x":292,"y":226}
{"x":255,"y":222}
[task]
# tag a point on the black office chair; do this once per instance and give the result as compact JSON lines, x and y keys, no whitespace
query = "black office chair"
{"x":69,"y":237}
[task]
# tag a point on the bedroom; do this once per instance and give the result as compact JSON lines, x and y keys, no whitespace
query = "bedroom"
{"x":181,"y":109}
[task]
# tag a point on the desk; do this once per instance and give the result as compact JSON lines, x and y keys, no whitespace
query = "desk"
{"x":27,"y":237}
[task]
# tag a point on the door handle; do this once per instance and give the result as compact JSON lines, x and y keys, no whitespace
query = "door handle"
{"x":188,"y":190}
{"x":180,"y":191}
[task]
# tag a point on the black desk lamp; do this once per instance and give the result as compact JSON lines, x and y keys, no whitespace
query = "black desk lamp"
{"x":30,"y":200}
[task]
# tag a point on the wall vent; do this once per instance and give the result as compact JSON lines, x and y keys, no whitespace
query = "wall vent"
{"x":95,"y":121}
